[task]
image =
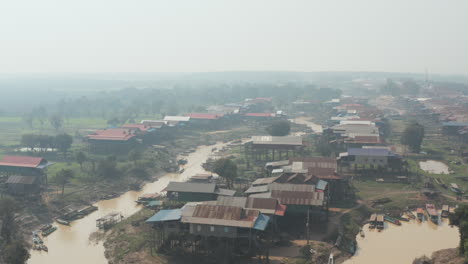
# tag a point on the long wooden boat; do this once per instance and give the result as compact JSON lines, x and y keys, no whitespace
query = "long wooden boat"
{"x":445,"y":211}
{"x":420,"y":214}
{"x":392,"y":220}
{"x":49,"y":231}
{"x":372,"y":221}
{"x":380,"y":222}
{"x":62,"y":222}
{"x":432,"y":213}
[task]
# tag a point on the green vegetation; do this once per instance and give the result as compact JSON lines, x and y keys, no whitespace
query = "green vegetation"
{"x":279,"y":128}
{"x":413,"y":136}
{"x":226,"y":169}
{"x":460,"y":219}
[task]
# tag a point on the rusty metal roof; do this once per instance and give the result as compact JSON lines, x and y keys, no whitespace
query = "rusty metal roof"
{"x":191,"y":187}
{"x":292,"y":187}
{"x":298,"y":197}
{"x":263,"y":181}
{"x":222,"y":215}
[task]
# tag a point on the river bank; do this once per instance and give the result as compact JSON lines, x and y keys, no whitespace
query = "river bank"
{"x":72,"y":243}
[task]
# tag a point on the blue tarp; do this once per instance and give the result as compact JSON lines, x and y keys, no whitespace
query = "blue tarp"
{"x":165,"y":215}
{"x":321,"y":185}
{"x":261,"y":222}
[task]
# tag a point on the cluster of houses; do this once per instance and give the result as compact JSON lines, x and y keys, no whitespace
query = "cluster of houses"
{"x":356,"y":127}
{"x":450,"y":112}
{"x":122,"y":139}
{"x":25,"y":175}
{"x":211,"y":211}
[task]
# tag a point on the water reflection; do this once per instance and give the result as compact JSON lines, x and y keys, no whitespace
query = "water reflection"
{"x":71,"y":244}
{"x":402,"y":244}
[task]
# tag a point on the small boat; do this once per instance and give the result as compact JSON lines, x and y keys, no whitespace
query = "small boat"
{"x":380,"y":222}
{"x":46,"y":227}
{"x":392,"y":220}
{"x":181,"y":170}
{"x":49,"y":231}
{"x":420,"y":214}
{"x":410,"y":214}
{"x":402,"y":218}
{"x":372,"y":221}
{"x":445,"y":211}
{"x":145,"y":198}
{"x":361,"y":232}
{"x":432,"y":213}
{"x":45,"y":248}
{"x":62,"y":222}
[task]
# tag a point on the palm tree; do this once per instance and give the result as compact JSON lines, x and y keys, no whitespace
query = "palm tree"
{"x":63,"y":177}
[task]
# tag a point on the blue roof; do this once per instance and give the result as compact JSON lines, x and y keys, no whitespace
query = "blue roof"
{"x":370,"y":152}
{"x":261,"y":222}
{"x":165,"y":215}
{"x":321,"y":185}
{"x":455,"y":124}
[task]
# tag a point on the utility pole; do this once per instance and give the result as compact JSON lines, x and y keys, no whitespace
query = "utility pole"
{"x":307,"y":225}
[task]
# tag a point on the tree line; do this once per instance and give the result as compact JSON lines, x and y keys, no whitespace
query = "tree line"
{"x":61,"y":142}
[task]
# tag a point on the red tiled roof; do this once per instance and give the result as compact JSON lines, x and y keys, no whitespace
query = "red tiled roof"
{"x":204,"y":116}
{"x":142,"y":127}
{"x":260,"y":114}
{"x":117,"y":134}
{"x":21,"y":161}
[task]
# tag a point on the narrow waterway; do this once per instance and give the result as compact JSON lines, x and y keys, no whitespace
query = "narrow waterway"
{"x":71,"y":244}
{"x":433,"y":166}
{"x":402,"y":244}
{"x":305,"y":121}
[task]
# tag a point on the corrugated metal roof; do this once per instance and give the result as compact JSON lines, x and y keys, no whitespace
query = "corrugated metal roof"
{"x":378,"y":152}
{"x":292,"y":187}
{"x":206,"y":116}
{"x":225,"y":192}
{"x":191,"y":187}
{"x":21,"y":161}
{"x":166,"y":215}
{"x":257,"y":189}
{"x":298,"y":197}
{"x":263,"y":181}
{"x":232,"y":201}
{"x":16,"y":179}
{"x":114,"y":134}
{"x":272,"y":140}
{"x":177,"y":118}
{"x":222,"y":215}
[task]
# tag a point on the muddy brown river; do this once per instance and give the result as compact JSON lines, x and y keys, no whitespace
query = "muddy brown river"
{"x":402,"y":244}
{"x":71,"y":244}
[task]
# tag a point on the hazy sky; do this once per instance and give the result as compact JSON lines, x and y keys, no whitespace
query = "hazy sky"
{"x":238,"y":35}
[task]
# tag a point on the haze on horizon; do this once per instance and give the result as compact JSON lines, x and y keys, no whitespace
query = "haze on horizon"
{"x":213,"y":35}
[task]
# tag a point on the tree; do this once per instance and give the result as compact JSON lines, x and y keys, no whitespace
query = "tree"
{"x":107,"y":168}
{"x":413,"y":136}
{"x":8,"y":208}
{"x":29,"y":140}
{"x":16,"y":253}
{"x":391,"y":88}
{"x":63,"y":177}
{"x":28,"y":119}
{"x":226,"y":169}
{"x":134,"y":155}
{"x":279,"y":128}
{"x":56,"y":121}
{"x":81,"y":158}
{"x":139,"y":172}
{"x":63,"y":142}
{"x":460,"y":219}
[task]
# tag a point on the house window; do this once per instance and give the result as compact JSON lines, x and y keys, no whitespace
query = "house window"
{"x":226,"y":229}
{"x":212,"y":228}
{"x":199,"y":228}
